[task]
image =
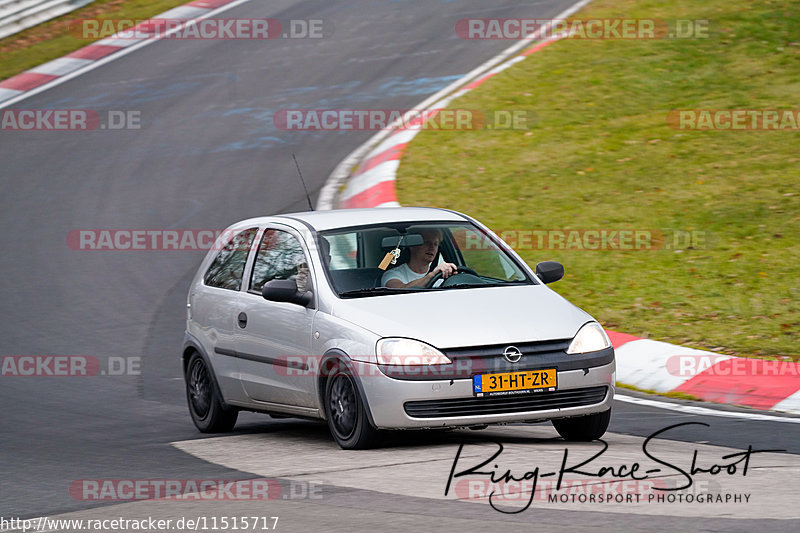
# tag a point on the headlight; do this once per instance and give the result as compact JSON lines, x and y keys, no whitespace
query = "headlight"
{"x":590,"y":338}
{"x":408,"y":352}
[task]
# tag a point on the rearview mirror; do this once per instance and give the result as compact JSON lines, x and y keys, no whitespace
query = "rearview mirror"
{"x":550,"y":271}
{"x":412,"y":239}
{"x":285,"y":290}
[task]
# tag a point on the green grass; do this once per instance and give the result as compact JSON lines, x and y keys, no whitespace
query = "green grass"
{"x":671,"y":394}
{"x":52,"y":39}
{"x":601,"y":156}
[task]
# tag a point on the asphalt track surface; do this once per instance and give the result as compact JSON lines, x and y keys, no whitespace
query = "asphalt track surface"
{"x":208,"y":155}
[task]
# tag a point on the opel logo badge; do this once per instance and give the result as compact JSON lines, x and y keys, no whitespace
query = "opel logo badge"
{"x":512,"y":354}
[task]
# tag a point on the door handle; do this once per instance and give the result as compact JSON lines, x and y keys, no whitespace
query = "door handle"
{"x":242,"y":319}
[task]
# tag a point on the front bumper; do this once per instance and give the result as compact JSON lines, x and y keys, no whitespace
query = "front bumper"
{"x":387,"y":398}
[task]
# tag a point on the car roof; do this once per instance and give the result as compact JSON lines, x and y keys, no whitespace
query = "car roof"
{"x":343,"y":218}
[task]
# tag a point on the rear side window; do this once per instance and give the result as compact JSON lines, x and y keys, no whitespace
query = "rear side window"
{"x":228,"y":267}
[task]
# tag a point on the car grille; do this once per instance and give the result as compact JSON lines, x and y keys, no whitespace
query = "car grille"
{"x":496,"y":350}
{"x":506,"y":404}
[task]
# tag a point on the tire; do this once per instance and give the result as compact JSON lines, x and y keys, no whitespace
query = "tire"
{"x":205,"y":403}
{"x":583,"y":428}
{"x":347,"y":416}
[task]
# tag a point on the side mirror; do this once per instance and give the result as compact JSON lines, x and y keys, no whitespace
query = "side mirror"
{"x":285,"y":290}
{"x":550,"y":271}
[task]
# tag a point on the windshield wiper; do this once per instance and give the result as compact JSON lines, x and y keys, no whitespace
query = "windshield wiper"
{"x":467,"y":285}
{"x":501,"y":283}
{"x":499,"y":280}
{"x":377,"y":291}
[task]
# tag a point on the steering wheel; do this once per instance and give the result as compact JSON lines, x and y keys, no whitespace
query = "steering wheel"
{"x":460,"y":270}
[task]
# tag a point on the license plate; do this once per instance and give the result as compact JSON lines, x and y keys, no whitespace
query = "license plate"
{"x":507,"y":383}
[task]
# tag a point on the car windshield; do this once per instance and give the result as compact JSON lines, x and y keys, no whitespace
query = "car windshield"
{"x":361,"y":261}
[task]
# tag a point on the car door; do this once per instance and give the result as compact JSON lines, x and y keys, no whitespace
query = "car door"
{"x":212,"y":305}
{"x":274,"y":345}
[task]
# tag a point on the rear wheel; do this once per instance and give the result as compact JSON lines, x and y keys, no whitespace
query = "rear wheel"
{"x":205,"y":404}
{"x":583,"y":428}
{"x":347,"y":416}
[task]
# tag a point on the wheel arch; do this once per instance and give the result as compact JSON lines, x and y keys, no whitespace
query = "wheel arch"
{"x":191,"y":347}
{"x":336,"y":354}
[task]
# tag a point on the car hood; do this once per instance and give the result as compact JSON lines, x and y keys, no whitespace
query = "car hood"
{"x":468,"y":317}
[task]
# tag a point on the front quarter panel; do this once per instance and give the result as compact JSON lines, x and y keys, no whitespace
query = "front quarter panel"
{"x":338,"y":334}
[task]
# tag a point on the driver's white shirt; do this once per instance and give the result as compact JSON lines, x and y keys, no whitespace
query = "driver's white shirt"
{"x":404,"y":274}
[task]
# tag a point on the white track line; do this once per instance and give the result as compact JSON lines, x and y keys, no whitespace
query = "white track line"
{"x":695,"y":410}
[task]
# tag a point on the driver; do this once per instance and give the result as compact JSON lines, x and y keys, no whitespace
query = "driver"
{"x":415,"y":272}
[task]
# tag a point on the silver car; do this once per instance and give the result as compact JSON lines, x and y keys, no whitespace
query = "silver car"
{"x":297,"y":315}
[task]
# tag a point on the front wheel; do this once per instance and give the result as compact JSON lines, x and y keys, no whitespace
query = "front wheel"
{"x":205,"y":405}
{"x":347,"y":416}
{"x":583,"y":428}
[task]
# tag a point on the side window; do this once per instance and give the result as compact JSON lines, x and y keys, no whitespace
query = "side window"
{"x":228,"y":267}
{"x":483,"y":256}
{"x":280,"y":256}
{"x":343,"y":251}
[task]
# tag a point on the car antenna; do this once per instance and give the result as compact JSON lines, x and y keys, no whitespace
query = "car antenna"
{"x":310,"y":207}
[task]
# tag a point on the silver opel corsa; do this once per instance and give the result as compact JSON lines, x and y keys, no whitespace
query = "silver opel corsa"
{"x":388,"y":318}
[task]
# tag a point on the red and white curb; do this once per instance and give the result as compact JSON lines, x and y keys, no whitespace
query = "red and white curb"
{"x":366,"y":178}
{"x":663,"y":367}
{"x":83,"y":60}
{"x":371,"y":184}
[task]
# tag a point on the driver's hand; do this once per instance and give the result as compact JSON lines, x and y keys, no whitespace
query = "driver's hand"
{"x":447,"y":270}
